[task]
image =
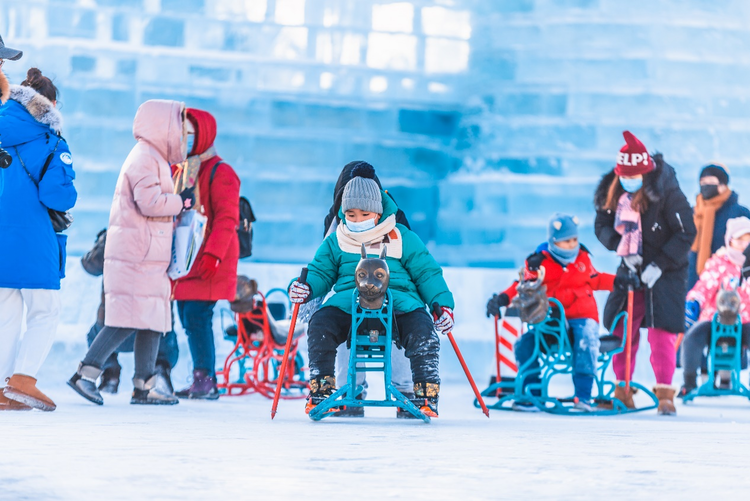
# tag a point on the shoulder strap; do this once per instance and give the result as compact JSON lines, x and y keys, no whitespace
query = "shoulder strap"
{"x":23,"y":164}
{"x":213,"y":172}
{"x":44,"y":168}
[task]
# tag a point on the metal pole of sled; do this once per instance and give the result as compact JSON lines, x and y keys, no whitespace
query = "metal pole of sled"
{"x":436,"y":312}
{"x":497,"y":346}
{"x":629,"y":339}
{"x":282,"y":373}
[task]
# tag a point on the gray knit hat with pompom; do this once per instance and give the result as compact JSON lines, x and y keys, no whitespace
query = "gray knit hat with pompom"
{"x":362,"y":192}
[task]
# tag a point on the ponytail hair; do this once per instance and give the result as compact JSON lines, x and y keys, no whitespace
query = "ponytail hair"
{"x":41,"y":84}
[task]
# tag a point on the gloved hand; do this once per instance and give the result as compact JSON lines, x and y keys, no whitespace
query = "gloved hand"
{"x":207,"y":266}
{"x":534,"y":261}
{"x":692,"y":312}
{"x":650,"y":275}
{"x":633,"y":262}
{"x":299,"y":292}
{"x":5,"y":159}
{"x":624,"y":281}
{"x":188,"y":198}
{"x":496,"y":302}
{"x":444,"y":323}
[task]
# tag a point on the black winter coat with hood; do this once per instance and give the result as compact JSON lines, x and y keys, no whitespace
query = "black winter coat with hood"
{"x":668,"y":233}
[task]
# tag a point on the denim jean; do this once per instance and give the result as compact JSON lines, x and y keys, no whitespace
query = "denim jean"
{"x":585,"y":354}
{"x":197,"y":319}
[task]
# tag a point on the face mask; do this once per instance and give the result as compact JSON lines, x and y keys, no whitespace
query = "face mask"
{"x":190,"y":141}
{"x":361,"y":226}
{"x":565,"y":256}
{"x":736,"y":256}
{"x":631,"y":185}
{"x":709,"y":191}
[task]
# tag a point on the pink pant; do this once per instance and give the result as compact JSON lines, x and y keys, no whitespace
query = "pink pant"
{"x":663,"y":358}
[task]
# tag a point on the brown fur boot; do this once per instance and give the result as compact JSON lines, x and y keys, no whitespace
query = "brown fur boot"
{"x":23,"y":389}
{"x":7,"y":404}
{"x":623,"y":396}
{"x":665,"y":394}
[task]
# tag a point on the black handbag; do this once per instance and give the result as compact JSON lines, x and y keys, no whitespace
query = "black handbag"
{"x":93,"y":260}
{"x":60,"y":220}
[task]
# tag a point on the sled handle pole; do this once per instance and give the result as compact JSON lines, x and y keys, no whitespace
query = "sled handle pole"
{"x":629,"y":339}
{"x":436,"y":312}
{"x":678,"y":341}
{"x":282,"y":373}
{"x":497,"y":346}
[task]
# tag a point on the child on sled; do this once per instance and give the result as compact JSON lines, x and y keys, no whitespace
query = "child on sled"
{"x":724,"y":266}
{"x":368,"y":217}
{"x":571,"y":279}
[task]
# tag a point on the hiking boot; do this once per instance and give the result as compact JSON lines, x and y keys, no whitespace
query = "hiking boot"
{"x":163,"y":376}
{"x":689,"y":384}
{"x":110,"y":382}
{"x":203,"y":387}
{"x":145,"y":393}
{"x":22,"y":388}
{"x":625,"y":397}
{"x":84,"y":383}
{"x":403,"y":413}
{"x":426,"y":398}
{"x":7,"y":404}
{"x":321,"y":387}
{"x":524,"y":407}
{"x":665,"y":394}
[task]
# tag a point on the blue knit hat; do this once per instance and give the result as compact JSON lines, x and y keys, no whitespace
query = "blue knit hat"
{"x":562,"y":227}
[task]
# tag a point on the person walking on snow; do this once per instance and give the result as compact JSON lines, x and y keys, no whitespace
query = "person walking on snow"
{"x":32,"y":255}
{"x":214,"y":275}
{"x":138,"y":251}
{"x":642,"y":214}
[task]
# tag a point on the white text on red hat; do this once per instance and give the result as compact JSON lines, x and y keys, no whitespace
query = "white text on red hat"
{"x":632,"y":158}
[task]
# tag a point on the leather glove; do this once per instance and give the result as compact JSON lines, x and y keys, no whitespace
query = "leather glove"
{"x":650,"y":275}
{"x":631,"y":279}
{"x":496,"y":302}
{"x":534,"y":261}
{"x":207,"y":266}
{"x":5,"y":159}
{"x":188,"y":198}
{"x":692,"y":312}
{"x":633,"y":262}
{"x":299,"y":292}
{"x":444,"y":323}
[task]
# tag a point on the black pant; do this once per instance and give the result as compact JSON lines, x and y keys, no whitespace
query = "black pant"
{"x":109,"y":338}
{"x":330,"y":326}
{"x":697,"y":339}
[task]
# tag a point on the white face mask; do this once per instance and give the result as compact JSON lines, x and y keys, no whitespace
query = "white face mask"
{"x":361,"y":226}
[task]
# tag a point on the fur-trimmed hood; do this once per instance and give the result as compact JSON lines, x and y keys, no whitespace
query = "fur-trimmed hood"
{"x":656,"y":183}
{"x":4,"y":88}
{"x":38,"y":107}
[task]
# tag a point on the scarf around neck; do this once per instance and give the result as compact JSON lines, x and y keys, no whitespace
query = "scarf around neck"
{"x":628,"y":224}
{"x":704,"y":215}
{"x":186,"y":174}
{"x":385,"y":233}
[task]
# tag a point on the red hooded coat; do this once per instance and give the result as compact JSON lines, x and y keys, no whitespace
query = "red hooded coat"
{"x":220,"y":204}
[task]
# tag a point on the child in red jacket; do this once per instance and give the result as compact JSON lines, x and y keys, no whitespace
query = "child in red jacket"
{"x":571,"y":279}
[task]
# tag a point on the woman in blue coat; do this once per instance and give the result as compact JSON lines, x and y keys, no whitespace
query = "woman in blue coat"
{"x":32,"y":255}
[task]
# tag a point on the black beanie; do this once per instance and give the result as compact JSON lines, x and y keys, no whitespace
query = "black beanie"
{"x":716,"y":170}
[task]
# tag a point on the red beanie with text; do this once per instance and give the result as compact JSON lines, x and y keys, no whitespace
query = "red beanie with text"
{"x":633,"y":158}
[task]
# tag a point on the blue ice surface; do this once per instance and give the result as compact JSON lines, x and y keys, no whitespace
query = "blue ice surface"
{"x":478,"y":159}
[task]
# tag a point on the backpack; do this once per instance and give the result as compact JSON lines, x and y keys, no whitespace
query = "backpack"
{"x":247,"y":218}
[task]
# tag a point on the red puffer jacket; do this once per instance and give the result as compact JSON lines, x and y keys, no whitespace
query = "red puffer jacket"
{"x":220,"y":203}
{"x":572,"y":285}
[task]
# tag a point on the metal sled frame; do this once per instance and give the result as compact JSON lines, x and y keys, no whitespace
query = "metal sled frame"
{"x":722,"y":356}
{"x":258,"y":358}
{"x":368,"y":349}
{"x":552,"y":349}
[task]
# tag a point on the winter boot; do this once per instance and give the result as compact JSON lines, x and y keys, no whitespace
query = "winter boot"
{"x":426,"y":398}
{"x":349,"y":411}
{"x":665,"y":394}
{"x":7,"y":404}
{"x":163,"y":377}
{"x":321,"y":387}
{"x":110,"y":382}
{"x":23,"y":389}
{"x":203,"y":387}
{"x":84,"y":383}
{"x":404,"y":414}
{"x":145,"y":393}
{"x":623,"y":396}
{"x":689,"y":384}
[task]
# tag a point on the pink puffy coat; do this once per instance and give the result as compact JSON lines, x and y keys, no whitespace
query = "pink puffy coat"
{"x":139,"y":239}
{"x":718,"y":271}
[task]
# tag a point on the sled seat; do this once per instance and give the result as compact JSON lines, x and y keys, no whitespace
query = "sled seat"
{"x":609,"y":343}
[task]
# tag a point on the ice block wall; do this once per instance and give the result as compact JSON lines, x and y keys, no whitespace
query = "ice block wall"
{"x":481,"y":117}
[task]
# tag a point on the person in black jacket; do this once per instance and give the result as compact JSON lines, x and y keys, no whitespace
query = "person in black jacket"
{"x":643,"y":215}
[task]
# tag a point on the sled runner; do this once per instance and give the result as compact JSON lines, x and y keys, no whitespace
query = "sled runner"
{"x":371,"y":341}
{"x":258,"y":351}
{"x":553,"y":351}
{"x":724,"y":354}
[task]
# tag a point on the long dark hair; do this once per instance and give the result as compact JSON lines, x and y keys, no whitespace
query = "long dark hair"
{"x":640,"y":199}
{"x":41,"y":84}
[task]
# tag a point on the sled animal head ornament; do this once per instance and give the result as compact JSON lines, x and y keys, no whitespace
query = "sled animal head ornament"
{"x":244,"y":298}
{"x":532,"y":301}
{"x":728,"y":304}
{"x":372,"y":278}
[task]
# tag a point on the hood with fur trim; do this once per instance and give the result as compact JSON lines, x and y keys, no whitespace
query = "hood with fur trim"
{"x":38,"y":106}
{"x":4,"y":88}
{"x":656,"y":183}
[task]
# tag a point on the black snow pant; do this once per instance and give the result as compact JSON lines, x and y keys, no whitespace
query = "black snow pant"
{"x":698,"y":338}
{"x":330,"y":326}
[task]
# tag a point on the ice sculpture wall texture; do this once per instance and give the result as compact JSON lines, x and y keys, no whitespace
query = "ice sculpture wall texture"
{"x":482,"y":117}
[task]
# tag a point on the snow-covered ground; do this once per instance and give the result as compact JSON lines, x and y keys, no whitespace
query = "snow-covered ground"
{"x":231,"y":449}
